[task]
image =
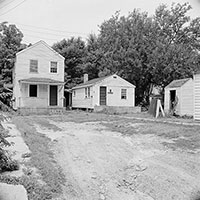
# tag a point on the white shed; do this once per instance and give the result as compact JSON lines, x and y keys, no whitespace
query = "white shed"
{"x":197,"y":96}
{"x":179,"y":93}
{"x":106,"y":91}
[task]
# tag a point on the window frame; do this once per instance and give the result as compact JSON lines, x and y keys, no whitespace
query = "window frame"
{"x":33,"y":96}
{"x":87,"y":92}
{"x":31,"y":64}
{"x":53,"y":72}
{"x":74,"y":93}
{"x":124,"y":94}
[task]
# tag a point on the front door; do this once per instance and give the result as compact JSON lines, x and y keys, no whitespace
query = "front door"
{"x":53,"y":95}
{"x":102,"y":95}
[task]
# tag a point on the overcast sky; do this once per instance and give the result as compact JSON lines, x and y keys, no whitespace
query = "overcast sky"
{"x":53,"y":20}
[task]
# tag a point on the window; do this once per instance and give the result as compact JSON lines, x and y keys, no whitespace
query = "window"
{"x":33,"y":91}
{"x":33,"y":66}
{"x":53,"y":68}
{"x":74,"y":93}
{"x":87,"y":92}
{"x":123,"y":94}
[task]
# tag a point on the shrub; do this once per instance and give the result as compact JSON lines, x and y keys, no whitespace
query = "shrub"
{"x":6,"y":164}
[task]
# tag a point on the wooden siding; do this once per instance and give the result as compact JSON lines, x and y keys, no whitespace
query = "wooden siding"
{"x":114,"y":86}
{"x":79,"y":100}
{"x":44,"y":55}
{"x":113,"y":94}
{"x":187,"y":99}
{"x":197,"y":96}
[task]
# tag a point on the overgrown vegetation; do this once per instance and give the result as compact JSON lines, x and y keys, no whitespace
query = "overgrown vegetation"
{"x":49,"y":180}
{"x":6,"y":163}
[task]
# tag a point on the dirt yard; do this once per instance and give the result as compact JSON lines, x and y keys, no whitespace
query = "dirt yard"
{"x":114,"y":158}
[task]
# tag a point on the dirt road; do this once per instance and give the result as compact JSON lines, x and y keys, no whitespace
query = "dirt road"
{"x":102,"y":164}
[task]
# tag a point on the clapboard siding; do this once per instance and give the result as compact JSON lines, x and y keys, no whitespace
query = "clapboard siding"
{"x":80,"y":101}
{"x":187,"y":98}
{"x":44,"y":55}
{"x":197,"y":96}
{"x":113,"y":85}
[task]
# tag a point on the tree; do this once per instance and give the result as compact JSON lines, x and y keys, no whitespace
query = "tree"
{"x":73,"y":50}
{"x":178,"y":39}
{"x":150,"y":50}
{"x":92,"y":61}
{"x":10,"y":44}
{"x":127,"y":44}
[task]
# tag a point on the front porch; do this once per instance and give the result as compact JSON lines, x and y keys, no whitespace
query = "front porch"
{"x":39,"y":94}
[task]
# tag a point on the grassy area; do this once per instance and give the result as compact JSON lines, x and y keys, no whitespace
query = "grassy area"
{"x":48,"y":181}
{"x":184,"y":137}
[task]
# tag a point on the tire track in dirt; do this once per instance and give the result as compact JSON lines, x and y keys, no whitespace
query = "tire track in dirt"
{"x":100,"y":164}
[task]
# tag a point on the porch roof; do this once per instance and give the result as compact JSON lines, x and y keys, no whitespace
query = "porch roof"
{"x":42,"y":81}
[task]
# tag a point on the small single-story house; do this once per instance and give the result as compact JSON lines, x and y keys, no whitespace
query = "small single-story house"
{"x":196,"y":95}
{"x":109,"y":91}
{"x":179,"y":96}
{"x":38,"y":79}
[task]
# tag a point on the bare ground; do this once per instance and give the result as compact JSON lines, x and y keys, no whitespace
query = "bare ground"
{"x":116,"y":158}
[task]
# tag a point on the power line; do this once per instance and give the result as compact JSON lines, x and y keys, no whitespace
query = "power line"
{"x":6,"y":4}
{"x":46,"y":32}
{"x":55,"y":30}
{"x":41,"y":37}
{"x":34,"y":36}
{"x":13,"y":8}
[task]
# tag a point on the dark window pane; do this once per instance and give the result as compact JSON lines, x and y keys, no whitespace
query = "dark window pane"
{"x":33,"y":91}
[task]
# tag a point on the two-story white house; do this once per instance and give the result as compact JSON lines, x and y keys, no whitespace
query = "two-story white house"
{"x":38,"y":79}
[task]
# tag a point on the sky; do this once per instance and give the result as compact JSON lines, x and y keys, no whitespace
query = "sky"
{"x":54,"y":20}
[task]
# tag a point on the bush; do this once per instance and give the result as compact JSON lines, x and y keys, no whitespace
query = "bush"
{"x":6,"y":164}
{"x":35,"y":190}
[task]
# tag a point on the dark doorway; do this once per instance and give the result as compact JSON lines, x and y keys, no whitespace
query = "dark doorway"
{"x":172,"y":98}
{"x":103,"y":95}
{"x":68,"y":99}
{"x":53,"y":95}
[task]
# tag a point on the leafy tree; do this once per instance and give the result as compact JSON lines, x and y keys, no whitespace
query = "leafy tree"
{"x":127,"y":44}
{"x":150,"y":50}
{"x":10,"y":44}
{"x":74,"y":51}
{"x":92,"y":61}
{"x":176,"y":53}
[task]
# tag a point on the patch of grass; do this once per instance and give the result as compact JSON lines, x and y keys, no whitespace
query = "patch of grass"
{"x":42,"y":158}
{"x":35,"y":190}
{"x":184,"y":137}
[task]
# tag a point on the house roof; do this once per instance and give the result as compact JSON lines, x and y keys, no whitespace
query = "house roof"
{"x":45,"y":44}
{"x":41,"y":80}
{"x":91,"y":82}
{"x":177,"y":83}
{"x":95,"y":81}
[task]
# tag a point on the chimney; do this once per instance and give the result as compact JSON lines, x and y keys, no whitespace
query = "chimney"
{"x":85,"y":78}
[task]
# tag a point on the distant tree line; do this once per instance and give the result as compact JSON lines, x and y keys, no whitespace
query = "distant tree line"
{"x":145,"y":50}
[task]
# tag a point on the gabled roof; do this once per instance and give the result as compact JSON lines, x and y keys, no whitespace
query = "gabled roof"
{"x":45,"y":44}
{"x":95,"y":81}
{"x":177,"y":83}
{"x":41,"y":80}
{"x":91,"y":82}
